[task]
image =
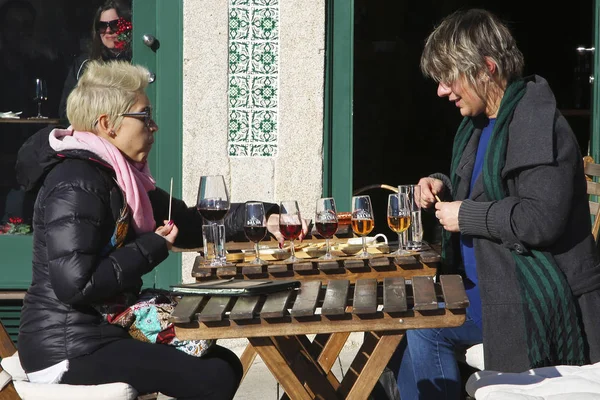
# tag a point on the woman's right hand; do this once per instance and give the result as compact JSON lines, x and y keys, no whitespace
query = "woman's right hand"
{"x":430,"y":187}
{"x":169,"y":231}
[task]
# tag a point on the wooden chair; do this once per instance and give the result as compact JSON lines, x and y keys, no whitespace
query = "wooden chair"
{"x":58,"y":391}
{"x":7,"y":349}
{"x":592,"y":170}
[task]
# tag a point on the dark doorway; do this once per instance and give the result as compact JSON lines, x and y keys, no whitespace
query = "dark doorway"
{"x":402,"y":130}
{"x":39,"y":39}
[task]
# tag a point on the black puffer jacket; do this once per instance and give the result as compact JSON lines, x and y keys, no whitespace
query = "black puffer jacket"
{"x":74,"y":265}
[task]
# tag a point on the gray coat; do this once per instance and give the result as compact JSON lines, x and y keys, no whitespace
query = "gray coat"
{"x":546,"y":209}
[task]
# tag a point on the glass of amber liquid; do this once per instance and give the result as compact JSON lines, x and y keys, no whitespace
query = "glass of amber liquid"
{"x":398,"y":219}
{"x":362,"y":220}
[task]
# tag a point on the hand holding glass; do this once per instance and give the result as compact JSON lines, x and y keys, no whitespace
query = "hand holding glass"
{"x":255,"y":227}
{"x":362,"y":220}
{"x":290,"y":225}
{"x":213,"y":204}
{"x":399,"y":218}
{"x":326,"y":222}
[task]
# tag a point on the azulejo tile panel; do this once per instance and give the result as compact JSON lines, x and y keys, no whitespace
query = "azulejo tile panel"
{"x":253,"y":78}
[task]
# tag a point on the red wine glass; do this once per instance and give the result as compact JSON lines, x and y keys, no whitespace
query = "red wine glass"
{"x":326,"y":222}
{"x":213,"y":205}
{"x":290,"y":225}
{"x":255,"y":227}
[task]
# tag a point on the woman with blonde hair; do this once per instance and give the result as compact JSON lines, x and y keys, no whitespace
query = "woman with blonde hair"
{"x":95,"y":235}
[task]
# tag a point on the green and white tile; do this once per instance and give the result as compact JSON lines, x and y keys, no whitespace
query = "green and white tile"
{"x":253,"y":78}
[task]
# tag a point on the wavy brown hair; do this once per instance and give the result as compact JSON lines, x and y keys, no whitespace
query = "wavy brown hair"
{"x":460,"y":45}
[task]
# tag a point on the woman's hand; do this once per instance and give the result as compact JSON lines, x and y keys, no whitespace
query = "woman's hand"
{"x":169,"y":231}
{"x":273,"y":228}
{"x":447,"y":214}
{"x":430,"y":187}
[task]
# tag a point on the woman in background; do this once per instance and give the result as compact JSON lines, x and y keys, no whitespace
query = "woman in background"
{"x":105,"y":45}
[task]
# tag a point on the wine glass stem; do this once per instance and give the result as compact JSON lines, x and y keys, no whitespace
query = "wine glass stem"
{"x":328,"y":251}
{"x":401,"y":241}
{"x":293,"y":252}
{"x":364,"y":243}
{"x":39,"y":104}
{"x":256,"y":251}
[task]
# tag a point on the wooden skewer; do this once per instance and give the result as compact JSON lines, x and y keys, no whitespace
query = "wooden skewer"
{"x":437,"y":198}
{"x":170,"y":198}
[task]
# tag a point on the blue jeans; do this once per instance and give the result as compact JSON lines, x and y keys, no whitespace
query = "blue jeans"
{"x":425,"y":361}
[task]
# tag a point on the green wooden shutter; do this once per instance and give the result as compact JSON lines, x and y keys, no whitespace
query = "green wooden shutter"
{"x":337,"y":140}
{"x":164,"y":20}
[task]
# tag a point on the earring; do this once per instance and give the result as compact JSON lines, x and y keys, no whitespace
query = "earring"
{"x":112,"y":133}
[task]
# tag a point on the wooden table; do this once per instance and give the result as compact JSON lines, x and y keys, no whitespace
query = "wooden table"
{"x":46,"y":121}
{"x":277,"y":326}
{"x":379,"y":266}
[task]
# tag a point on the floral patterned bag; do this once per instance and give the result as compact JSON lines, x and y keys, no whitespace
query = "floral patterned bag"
{"x":147,"y":320}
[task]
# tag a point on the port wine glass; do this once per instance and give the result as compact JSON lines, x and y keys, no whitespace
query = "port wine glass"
{"x":255,"y":227}
{"x":213,"y":205}
{"x":290,"y":225}
{"x":326,"y":222}
{"x":362,"y":220}
{"x":399,"y":219}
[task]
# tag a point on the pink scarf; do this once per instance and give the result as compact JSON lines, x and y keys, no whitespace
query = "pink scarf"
{"x":134,"y":178}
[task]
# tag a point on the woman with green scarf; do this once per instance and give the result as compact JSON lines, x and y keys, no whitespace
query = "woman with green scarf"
{"x":515,"y":216}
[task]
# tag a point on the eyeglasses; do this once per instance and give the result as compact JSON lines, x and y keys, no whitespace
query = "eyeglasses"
{"x":146,"y":115}
{"x":102,"y":26}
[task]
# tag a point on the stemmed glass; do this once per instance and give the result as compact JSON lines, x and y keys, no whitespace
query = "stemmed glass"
{"x":398,"y":219}
{"x":213,"y":205}
{"x":40,"y":95}
{"x":255,"y":227}
{"x":326,"y":222}
{"x":362,"y":220}
{"x":290,"y":225}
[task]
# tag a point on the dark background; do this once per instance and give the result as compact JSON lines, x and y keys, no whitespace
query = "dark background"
{"x":403,"y":130}
{"x":43,"y":47}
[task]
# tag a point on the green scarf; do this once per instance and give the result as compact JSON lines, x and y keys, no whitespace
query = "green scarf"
{"x":551,"y":316}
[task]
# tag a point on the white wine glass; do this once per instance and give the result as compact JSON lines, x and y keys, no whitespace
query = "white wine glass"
{"x":213,"y":205}
{"x":290,"y":225}
{"x":326,"y":222}
{"x":255,"y":227}
{"x":362,"y":220}
{"x":399,"y":219}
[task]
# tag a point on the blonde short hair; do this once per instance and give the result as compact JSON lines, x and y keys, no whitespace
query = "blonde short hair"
{"x":110,"y":88}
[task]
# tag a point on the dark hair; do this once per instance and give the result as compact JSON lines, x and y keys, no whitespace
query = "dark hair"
{"x":98,"y":51}
{"x":14,"y":4}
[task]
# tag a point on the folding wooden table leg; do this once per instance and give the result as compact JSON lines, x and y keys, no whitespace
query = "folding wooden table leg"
{"x":320,"y":384}
{"x":302,"y":366}
{"x":328,"y":345}
{"x":279,"y":367}
{"x":367,"y":366}
{"x":247,"y":358}
{"x":325,"y":348}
